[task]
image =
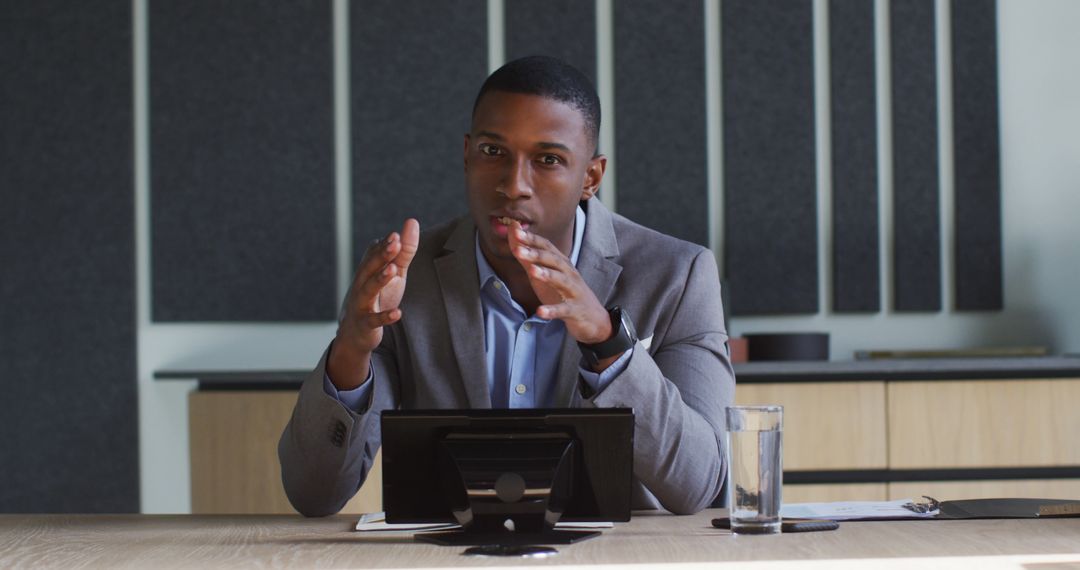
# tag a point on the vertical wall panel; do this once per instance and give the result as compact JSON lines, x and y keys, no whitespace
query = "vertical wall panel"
{"x":916,"y":215}
{"x":770,"y":197}
{"x":856,"y":282}
{"x":68,"y":410}
{"x":660,"y":108}
{"x":242,"y":194}
{"x":977,"y":155}
{"x":565,"y":29}
{"x":416,"y":69}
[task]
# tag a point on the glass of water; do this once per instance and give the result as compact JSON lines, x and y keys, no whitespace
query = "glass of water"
{"x":755,"y":468}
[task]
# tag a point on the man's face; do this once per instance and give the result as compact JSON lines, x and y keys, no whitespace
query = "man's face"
{"x":527,"y":158}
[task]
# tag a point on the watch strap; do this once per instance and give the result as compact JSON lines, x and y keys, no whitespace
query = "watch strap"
{"x":622,"y":338}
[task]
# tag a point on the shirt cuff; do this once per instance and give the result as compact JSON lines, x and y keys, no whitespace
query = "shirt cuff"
{"x":358,"y":399}
{"x":598,"y":381}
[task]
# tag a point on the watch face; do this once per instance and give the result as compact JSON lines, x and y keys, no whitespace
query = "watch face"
{"x":622,"y":339}
{"x":628,"y":325}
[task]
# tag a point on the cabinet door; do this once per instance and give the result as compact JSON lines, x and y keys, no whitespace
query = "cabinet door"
{"x":234,"y":461}
{"x":991,"y":423}
{"x":827,"y":425}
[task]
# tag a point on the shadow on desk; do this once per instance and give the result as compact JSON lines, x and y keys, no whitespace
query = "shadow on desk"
{"x":192,"y":541}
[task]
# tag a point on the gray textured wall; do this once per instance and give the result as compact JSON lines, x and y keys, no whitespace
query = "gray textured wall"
{"x":661,"y":159}
{"x":416,"y":67}
{"x":242,"y":195}
{"x":68,"y":414}
{"x":978,"y":155}
{"x":242,"y":169}
{"x":916,"y":187}
{"x":244,"y":190}
{"x":856,"y":283}
{"x":770,"y":194}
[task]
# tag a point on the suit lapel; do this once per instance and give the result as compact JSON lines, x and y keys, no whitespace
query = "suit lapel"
{"x":600,"y":272}
{"x":457,"y":274}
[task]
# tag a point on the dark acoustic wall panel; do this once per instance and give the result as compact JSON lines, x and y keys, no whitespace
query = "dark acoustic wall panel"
{"x":68,"y":409}
{"x":916,"y":216}
{"x":416,"y":69}
{"x":856,"y":259}
{"x":242,"y":160}
{"x":565,"y":29}
{"x":660,"y":141}
{"x":977,"y":155}
{"x":770,"y":194}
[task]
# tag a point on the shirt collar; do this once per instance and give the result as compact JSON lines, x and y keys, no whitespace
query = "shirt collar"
{"x":486,"y":273}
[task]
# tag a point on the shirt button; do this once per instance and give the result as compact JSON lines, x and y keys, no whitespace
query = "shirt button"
{"x":520,"y":389}
{"x":498,"y":284}
{"x":528,"y":327}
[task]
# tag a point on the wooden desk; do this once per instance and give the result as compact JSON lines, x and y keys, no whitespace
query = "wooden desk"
{"x":202,"y":541}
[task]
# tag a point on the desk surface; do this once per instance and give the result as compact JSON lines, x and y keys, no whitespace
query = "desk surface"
{"x":147,"y":541}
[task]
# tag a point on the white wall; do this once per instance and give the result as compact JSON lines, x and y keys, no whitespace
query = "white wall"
{"x":1040,"y":120}
{"x":1040,"y":99}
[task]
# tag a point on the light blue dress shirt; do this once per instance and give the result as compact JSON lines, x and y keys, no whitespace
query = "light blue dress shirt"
{"x":521,"y":351}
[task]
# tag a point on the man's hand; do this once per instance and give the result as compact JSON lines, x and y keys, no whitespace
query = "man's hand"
{"x":560,"y":288}
{"x":372,"y":303}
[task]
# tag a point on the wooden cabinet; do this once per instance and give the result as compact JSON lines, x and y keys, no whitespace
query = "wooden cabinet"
{"x":984,"y":423}
{"x":993,"y":430}
{"x":867,"y":428}
{"x":234,"y":461}
{"x":827,"y":426}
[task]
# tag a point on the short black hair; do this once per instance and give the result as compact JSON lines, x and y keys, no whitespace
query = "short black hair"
{"x":551,"y":78}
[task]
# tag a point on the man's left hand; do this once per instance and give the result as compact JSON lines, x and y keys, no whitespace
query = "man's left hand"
{"x":560,"y":288}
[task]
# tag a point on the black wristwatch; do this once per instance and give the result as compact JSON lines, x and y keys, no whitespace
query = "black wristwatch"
{"x":622,"y":339}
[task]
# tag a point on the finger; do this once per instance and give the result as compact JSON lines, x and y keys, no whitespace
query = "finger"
{"x":378,"y":247}
{"x":533,"y":248}
{"x":381,"y":319}
{"x":558,"y":280}
{"x":364,"y":299}
{"x":515,"y":235}
{"x":533,"y":240}
{"x":544,"y":257}
{"x":410,"y":242}
{"x":376,"y":257}
{"x":551,"y":312}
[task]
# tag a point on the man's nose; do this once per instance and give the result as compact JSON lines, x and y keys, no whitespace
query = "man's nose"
{"x":516,"y":183}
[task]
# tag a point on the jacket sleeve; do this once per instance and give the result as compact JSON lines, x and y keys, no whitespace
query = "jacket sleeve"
{"x":678,"y":394}
{"x":327,"y":449}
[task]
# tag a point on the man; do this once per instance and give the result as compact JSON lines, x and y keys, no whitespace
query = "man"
{"x":530,"y":301}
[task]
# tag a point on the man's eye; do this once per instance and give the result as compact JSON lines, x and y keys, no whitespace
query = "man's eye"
{"x":550,"y":159}
{"x":489,"y":149}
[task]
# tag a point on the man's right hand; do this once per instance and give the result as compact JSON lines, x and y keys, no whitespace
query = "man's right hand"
{"x":372,"y":303}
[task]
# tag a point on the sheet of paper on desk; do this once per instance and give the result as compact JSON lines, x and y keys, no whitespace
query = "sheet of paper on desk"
{"x":376,"y":522}
{"x":852,"y":510}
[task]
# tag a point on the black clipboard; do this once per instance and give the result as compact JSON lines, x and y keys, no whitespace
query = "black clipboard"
{"x":1007,"y":509}
{"x":1002,"y":508}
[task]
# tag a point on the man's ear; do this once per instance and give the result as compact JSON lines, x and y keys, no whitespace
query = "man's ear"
{"x":594,"y":173}
{"x":465,"y":152}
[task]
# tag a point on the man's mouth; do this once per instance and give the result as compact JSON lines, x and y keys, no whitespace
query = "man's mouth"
{"x":506,"y":221}
{"x":502,"y":224}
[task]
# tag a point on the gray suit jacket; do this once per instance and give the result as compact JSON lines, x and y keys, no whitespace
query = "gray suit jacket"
{"x":678,"y":380}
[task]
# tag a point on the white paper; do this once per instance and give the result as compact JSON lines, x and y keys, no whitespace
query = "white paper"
{"x":376,"y":522}
{"x":851,"y":510}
